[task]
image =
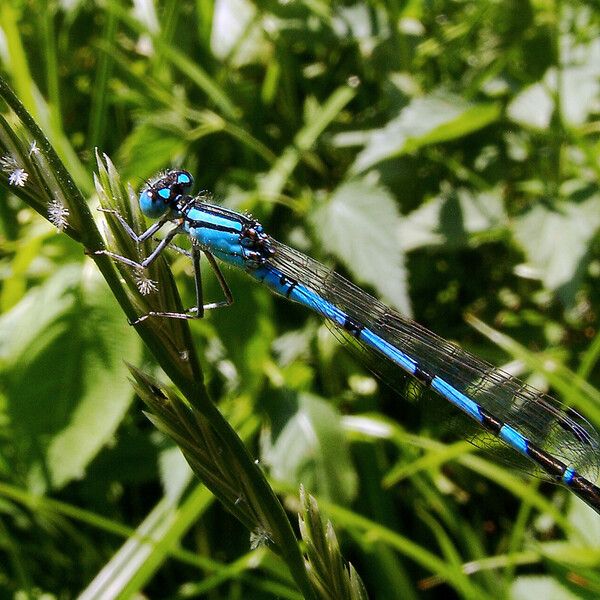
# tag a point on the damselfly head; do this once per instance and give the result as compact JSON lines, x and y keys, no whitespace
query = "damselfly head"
{"x":161,"y":193}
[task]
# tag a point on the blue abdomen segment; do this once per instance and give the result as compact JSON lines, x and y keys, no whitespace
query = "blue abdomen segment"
{"x":568,"y":475}
{"x":459,"y":400}
{"x":514,"y":439}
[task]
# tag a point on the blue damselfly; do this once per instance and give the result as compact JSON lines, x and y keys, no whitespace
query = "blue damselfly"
{"x":559,"y":443}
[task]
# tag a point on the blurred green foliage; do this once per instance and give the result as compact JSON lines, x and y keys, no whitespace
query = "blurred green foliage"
{"x":443,"y":154}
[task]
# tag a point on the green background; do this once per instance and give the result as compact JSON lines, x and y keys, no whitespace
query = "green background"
{"x":441,"y":154}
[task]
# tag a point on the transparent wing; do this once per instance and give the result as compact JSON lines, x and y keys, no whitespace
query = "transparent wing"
{"x":546,"y":422}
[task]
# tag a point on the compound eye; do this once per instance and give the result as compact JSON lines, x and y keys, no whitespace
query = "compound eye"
{"x":151,"y":204}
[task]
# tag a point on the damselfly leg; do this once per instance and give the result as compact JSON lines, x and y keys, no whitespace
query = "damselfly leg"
{"x":197,"y":311}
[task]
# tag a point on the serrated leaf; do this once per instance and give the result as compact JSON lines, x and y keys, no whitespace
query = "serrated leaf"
{"x":312,"y":449}
{"x":428,"y":120}
{"x":63,"y":348}
{"x":579,"y":88}
{"x":359,"y":225}
{"x":448,"y":219}
{"x":556,"y":240}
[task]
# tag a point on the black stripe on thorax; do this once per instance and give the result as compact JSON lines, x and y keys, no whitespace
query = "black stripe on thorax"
{"x":219,"y":211}
{"x":196,"y":224}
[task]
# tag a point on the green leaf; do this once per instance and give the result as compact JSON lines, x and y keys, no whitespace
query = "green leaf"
{"x":237,"y":34}
{"x":312,"y":449}
{"x":536,"y":586}
{"x":359,"y":224}
{"x":533,"y":107}
{"x":449,"y":218}
{"x":579,"y":88}
{"x":579,"y":78}
{"x":62,"y":350}
{"x":587,"y":522}
{"x":556,"y":241}
{"x":428,"y":120}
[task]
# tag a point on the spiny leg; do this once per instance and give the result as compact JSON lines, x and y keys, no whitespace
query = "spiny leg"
{"x":196,"y":312}
{"x":195,"y":256}
{"x":197,"y":281}
{"x":222,"y":282}
{"x":149,"y":259}
{"x":138,"y":239}
{"x":178,"y":249}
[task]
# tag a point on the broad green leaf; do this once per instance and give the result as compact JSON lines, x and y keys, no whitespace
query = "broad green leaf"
{"x":429,"y":120}
{"x":576,"y":554}
{"x":579,"y":78}
{"x":557,"y":239}
{"x":236,"y":34}
{"x":362,"y":23}
{"x":580,"y":92}
{"x":359,"y":224}
{"x":130,"y":459}
{"x":311,"y":449}
{"x":448,"y":219}
{"x":587,"y":522}
{"x":579,"y":82}
{"x":533,"y":107}
{"x":63,"y":349}
{"x":536,"y":586}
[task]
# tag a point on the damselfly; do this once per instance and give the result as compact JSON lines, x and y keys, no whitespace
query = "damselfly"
{"x":559,"y":443}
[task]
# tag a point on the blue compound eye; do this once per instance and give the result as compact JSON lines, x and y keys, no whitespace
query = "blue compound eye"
{"x":151,"y":204}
